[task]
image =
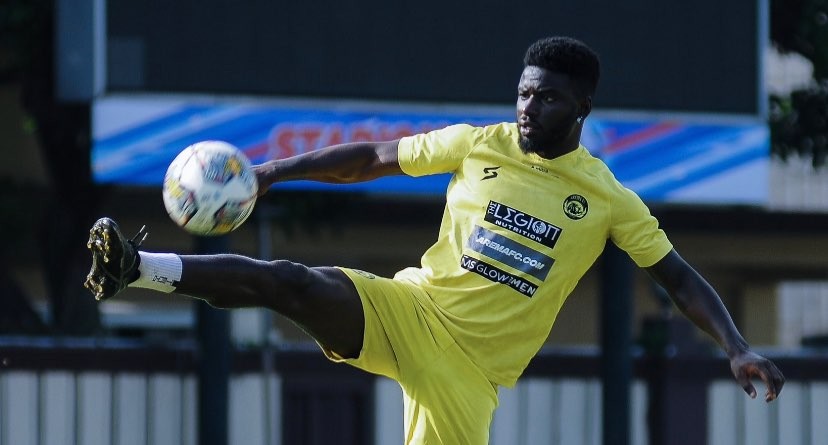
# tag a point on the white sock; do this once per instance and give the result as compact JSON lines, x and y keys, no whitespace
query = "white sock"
{"x":158,"y":271}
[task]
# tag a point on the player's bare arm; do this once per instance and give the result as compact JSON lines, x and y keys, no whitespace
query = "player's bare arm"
{"x":338,"y":164}
{"x":700,"y":303}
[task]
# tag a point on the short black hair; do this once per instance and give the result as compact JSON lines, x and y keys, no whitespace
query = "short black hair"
{"x":568,"y":56}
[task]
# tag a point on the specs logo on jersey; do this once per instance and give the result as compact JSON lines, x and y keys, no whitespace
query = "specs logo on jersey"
{"x":523,"y":224}
{"x":490,"y":172}
{"x":575,"y":206}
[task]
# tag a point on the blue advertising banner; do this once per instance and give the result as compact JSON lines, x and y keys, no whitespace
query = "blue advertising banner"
{"x":664,"y":160}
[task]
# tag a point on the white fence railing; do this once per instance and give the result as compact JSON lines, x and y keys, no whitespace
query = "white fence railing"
{"x":799,"y":416}
{"x":99,"y":408}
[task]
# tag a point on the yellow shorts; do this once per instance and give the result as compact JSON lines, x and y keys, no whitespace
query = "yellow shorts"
{"x":447,"y":398}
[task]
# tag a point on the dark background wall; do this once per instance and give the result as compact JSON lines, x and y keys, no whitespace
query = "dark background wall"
{"x":657,"y":55}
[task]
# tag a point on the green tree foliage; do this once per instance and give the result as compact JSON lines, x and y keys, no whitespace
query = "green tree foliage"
{"x":799,"y":122}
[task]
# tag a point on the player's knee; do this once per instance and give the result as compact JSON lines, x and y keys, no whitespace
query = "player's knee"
{"x":290,"y":274}
{"x":288,"y":283}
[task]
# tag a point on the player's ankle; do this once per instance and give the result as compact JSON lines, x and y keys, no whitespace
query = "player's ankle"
{"x":158,"y":271}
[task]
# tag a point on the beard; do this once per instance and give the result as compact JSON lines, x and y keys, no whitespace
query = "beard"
{"x":555,"y":136}
{"x":529,"y":145}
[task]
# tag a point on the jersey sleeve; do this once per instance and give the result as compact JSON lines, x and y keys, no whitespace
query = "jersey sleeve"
{"x":635,"y":230}
{"x":438,"y":151}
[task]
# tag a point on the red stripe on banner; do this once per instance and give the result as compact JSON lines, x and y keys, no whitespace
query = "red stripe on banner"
{"x":631,"y":140}
{"x":254,"y":151}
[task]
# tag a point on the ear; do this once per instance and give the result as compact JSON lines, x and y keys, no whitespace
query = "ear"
{"x":586,"y":107}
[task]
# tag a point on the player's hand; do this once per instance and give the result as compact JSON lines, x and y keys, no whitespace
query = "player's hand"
{"x":748,"y":365}
{"x":264,"y":177}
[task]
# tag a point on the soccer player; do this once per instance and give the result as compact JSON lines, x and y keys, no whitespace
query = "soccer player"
{"x":528,"y":211}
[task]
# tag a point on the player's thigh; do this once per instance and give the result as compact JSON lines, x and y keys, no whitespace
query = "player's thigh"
{"x":401,"y":336}
{"x":449,"y":402}
{"x":326,"y":304}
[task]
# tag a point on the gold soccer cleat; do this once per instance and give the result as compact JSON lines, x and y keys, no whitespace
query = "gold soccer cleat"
{"x":114,"y":258}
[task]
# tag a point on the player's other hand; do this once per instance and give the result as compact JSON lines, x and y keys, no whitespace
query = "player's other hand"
{"x":748,"y":365}
{"x":264,"y":177}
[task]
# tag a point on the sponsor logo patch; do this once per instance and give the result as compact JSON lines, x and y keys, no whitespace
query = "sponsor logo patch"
{"x":510,"y":253}
{"x":575,"y":206}
{"x":523,"y":224}
{"x":497,"y":275}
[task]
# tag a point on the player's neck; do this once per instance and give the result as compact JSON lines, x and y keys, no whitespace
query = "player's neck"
{"x":558,"y":150}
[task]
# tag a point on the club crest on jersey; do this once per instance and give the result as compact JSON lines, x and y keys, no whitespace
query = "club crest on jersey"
{"x":575,"y":206}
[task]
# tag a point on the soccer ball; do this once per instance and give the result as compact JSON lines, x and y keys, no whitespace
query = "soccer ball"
{"x":209,"y":188}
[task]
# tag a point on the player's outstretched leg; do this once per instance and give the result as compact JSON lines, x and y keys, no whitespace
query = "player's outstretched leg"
{"x":322,"y":300}
{"x":114,"y":258}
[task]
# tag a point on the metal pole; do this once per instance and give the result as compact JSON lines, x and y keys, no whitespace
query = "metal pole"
{"x":214,"y":357}
{"x":616,"y":362}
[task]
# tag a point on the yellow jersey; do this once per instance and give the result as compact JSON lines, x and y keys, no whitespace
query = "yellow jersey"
{"x":518,"y":232}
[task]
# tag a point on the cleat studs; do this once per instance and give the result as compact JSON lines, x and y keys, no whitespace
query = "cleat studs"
{"x":113,"y":258}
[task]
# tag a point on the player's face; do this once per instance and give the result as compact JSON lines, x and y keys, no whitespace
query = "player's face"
{"x":547,"y":109}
